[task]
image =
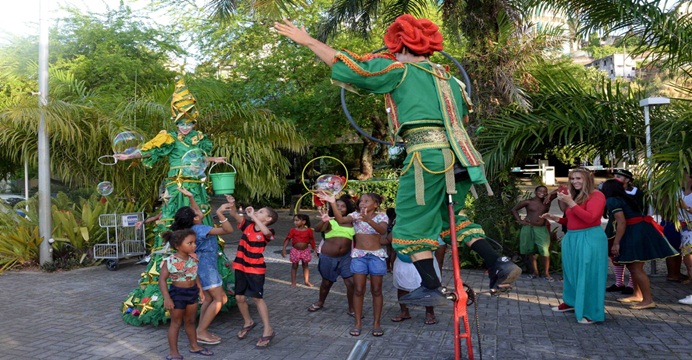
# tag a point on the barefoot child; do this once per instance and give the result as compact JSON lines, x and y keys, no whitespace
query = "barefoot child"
{"x":335,"y":256}
{"x":190,"y":217}
{"x":301,"y":236}
{"x":367,"y":257}
{"x":250,"y":268}
{"x":534,"y":236}
{"x":181,"y":298}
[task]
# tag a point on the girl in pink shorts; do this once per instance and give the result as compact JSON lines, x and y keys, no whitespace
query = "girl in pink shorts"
{"x":301,"y":236}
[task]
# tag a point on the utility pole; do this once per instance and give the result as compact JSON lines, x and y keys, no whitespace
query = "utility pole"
{"x":44,"y":202}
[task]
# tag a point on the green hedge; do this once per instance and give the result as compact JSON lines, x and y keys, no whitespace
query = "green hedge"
{"x":386,"y":188}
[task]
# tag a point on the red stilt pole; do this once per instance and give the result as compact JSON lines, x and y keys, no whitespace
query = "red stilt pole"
{"x":459,"y":295}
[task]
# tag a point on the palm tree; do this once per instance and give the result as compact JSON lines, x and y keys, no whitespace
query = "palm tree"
{"x":251,"y":138}
{"x":666,"y":38}
{"x":666,"y":34}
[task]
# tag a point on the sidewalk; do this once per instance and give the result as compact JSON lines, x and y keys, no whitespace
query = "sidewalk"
{"x":76,"y":315}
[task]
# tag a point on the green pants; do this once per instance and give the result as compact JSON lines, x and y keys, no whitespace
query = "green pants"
{"x":419,"y":226}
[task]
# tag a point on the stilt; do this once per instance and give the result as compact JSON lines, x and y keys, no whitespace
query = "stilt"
{"x":459,"y":296}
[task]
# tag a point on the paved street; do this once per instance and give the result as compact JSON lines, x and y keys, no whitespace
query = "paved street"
{"x":76,"y":315}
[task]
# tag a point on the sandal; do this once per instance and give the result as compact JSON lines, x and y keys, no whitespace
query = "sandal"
{"x":353,"y":314}
{"x":203,"y":351}
{"x":549,"y":279}
{"x":354,"y":332}
{"x":314,"y":308}
{"x":430,"y":320}
{"x":400,"y":318}
{"x":242,"y":334}
{"x":264,"y":341}
{"x":377,"y":332}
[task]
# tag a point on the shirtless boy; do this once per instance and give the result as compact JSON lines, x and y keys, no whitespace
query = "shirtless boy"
{"x":534,"y":236}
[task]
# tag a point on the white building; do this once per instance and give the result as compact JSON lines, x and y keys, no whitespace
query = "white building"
{"x":616,"y":65}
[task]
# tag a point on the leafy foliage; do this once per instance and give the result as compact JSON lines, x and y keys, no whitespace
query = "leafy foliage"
{"x":75,"y":231}
{"x":666,"y":35}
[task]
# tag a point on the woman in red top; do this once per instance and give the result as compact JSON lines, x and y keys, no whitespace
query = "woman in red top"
{"x":301,"y":236}
{"x":584,"y":248}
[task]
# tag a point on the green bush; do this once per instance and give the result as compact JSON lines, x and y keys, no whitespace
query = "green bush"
{"x":386,"y":188}
{"x":75,"y":230}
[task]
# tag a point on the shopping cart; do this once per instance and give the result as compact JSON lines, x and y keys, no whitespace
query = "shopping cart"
{"x":123,"y":238}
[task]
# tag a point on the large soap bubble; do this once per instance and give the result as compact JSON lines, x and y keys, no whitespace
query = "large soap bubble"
{"x":330,"y":183}
{"x":194,"y":163}
{"x":127,"y":142}
{"x":104,"y":188}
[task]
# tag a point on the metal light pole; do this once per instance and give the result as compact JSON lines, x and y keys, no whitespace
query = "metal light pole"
{"x":44,"y":205}
{"x":646,"y":103}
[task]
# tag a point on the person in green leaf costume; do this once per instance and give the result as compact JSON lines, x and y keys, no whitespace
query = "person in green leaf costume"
{"x":144,"y":305}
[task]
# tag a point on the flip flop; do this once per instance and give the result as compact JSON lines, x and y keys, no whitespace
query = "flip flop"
{"x":268,"y":339}
{"x":430,"y":320}
{"x":377,"y":332}
{"x":242,"y":334}
{"x":208,"y":342}
{"x":176,"y":357}
{"x":549,"y":279}
{"x":354,"y":332}
{"x":353,"y":314}
{"x":203,"y":351}
{"x":314,"y":308}
{"x":400,"y":318}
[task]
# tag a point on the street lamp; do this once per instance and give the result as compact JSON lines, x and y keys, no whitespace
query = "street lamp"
{"x":646,"y":104}
{"x":44,"y":206}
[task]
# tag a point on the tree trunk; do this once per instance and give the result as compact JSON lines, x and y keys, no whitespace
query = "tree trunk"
{"x":379,"y":129}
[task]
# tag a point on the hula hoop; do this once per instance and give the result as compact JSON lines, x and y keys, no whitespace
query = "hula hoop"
{"x":311,"y":191}
{"x":465,"y":76}
{"x":102,"y":160}
{"x":302,"y":175}
{"x":300,"y":199}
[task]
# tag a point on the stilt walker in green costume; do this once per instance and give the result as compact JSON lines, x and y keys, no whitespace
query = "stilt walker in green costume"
{"x":144,"y":305}
{"x":428,"y":108}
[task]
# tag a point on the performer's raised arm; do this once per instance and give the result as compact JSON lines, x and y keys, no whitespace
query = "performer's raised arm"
{"x":301,"y":37}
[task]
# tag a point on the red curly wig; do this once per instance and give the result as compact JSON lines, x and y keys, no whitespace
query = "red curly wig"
{"x":421,"y":36}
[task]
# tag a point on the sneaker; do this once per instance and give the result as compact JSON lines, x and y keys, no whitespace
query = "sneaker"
{"x":585,"y":321}
{"x":562,"y":308}
{"x":627,"y":291}
{"x":504,"y":272}
{"x":614,"y":288}
{"x":424,"y":297}
{"x":687,"y":300}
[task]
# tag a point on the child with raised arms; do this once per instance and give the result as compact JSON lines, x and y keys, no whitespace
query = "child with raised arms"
{"x":250,"y":268}
{"x":191,"y":217}
{"x":367,"y":257}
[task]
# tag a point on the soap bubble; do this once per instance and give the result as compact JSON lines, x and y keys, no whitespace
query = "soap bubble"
{"x":127,"y":142}
{"x":330,"y":183}
{"x":104,"y":188}
{"x":194,"y":163}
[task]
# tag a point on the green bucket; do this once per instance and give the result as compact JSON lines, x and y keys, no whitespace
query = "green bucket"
{"x":223,"y":183}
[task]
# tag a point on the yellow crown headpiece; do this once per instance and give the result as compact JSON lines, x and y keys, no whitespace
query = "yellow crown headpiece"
{"x":183,"y":103}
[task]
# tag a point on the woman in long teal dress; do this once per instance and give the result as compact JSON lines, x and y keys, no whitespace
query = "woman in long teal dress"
{"x":144,"y":305}
{"x":584,"y":248}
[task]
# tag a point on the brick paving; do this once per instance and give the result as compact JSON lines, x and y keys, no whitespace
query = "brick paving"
{"x":76,"y":315}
